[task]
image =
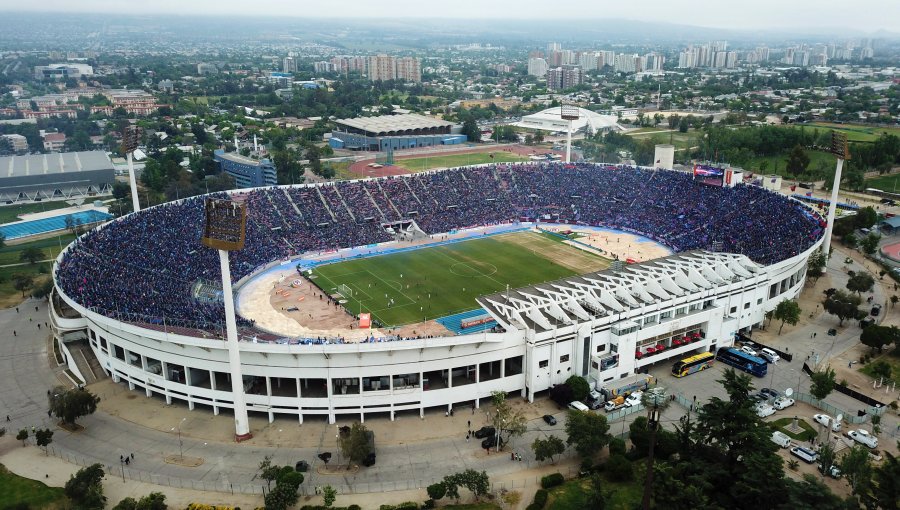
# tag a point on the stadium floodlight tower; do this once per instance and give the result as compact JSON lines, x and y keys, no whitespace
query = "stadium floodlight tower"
{"x":568,"y":112}
{"x":225,"y":230}
{"x":841,"y":150}
{"x":129,"y":145}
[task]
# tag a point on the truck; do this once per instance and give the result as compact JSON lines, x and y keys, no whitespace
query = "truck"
{"x":624,"y":387}
{"x":614,"y":404}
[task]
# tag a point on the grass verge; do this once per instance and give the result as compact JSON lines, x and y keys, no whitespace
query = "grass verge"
{"x":19,"y":492}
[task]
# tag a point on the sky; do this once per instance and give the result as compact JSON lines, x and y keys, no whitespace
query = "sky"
{"x":858,"y":15}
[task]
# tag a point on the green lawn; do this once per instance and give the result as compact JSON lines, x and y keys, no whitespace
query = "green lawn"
{"x":10,"y":213}
{"x":892,"y":358}
{"x":24,"y":493}
{"x":856,"y":132}
{"x":889,"y":183}
{"x":442,"y":280}
{"x":808,"y":431}
{"x":573,"y":495}
{"x":51,"y":248}
{"x":473,"y":506}
{"x":455,"y":160}
{"x":778,"y":163}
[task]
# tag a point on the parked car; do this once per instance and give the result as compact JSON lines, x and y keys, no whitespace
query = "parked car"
{"x":832,"y":332}
{"x":770,"y":393}
{"x":759,"y":397}
{"x":833,"y":471}
{"x":863,"y":437}
{"x":781,"y":439}
{"x":549,"y":419}
{"x":783,"y":403}
{"x":828,"y":421}
{"x":301,"y":466}
{"x":769,"y":355}
{"x":485,"y":432}
{"x":804,"y":454}
{"x":578,"y":406}
{"x":634,"y":399}
{"x":749,"y":350}
{"x":763,"y":410}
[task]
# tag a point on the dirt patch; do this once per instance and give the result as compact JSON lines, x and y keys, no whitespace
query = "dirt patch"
{"x":617,"y":244}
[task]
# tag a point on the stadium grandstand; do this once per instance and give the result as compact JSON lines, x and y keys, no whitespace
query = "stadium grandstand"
{"x":741,"y":250}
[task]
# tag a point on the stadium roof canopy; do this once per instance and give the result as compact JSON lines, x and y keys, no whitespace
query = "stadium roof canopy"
{"x":56,"y":163}
{"x":610,"y":292}
{"x":550,"y":120}
{"x":393,"y":124}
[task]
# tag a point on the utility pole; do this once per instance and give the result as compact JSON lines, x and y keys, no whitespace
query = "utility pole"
{"x":656,"y":400}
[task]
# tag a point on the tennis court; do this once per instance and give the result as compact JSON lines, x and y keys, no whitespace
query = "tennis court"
{"x":21,"y":229}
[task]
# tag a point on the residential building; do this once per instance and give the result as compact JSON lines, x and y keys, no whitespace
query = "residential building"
{"x":560,"y":78}
{"x":537,"y":67}
{"x":17,"y":143}
{"x":203,"y":69}
{"x":289,"y":65}
{"x":54,"y":142}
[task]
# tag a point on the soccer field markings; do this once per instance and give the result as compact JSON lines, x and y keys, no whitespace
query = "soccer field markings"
{"x":478,"y":272}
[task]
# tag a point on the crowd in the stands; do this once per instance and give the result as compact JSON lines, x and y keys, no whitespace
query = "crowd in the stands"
{"x":143,"y":267}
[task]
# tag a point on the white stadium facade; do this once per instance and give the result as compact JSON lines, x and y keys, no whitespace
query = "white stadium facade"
{"x":550,"y":120}
{"x":598,"y":325}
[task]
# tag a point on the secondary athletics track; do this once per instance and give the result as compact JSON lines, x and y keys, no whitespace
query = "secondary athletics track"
{"x":361,"y":168}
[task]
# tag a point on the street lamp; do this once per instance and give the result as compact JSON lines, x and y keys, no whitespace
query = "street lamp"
{"x":180,"y":442}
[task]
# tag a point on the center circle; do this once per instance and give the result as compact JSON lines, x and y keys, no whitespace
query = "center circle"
{"x":473,"y":269}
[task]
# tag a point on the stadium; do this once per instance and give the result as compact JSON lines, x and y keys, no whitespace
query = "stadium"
{"x":475,"y":280}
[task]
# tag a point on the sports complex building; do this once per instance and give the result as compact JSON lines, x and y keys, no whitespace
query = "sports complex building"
{"x":391,"y":132}
{"x":58,"y":175}
{"x":550,"y":120}
{"x":133,"y":288}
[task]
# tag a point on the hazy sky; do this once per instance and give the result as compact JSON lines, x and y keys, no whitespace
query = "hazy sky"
{"x":866,"y":15}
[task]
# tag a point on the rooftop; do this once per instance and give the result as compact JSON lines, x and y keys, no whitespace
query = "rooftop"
{"x":394,"y":123}
{"x":609,"y":292}
{"x":237,"y":158}
{"x":59,"y":163}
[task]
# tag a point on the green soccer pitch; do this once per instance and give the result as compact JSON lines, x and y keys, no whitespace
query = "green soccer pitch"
{"x":434,"y":282}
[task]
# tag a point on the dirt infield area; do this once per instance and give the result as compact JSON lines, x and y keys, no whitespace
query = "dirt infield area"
{"x":617,"y":244}
{"x":362,"y":169}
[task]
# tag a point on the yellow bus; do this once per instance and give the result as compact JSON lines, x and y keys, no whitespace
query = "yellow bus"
{"x":695,"y":363}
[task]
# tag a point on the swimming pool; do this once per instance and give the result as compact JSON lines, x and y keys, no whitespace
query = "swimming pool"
{"x":30,"y":228}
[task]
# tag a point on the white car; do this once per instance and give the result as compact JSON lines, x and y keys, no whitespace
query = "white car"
{"x":864,"y":438}
{"x":634,"y":399}
{"x":783,"y":403}
{"x":762,"y":410}
{"x":828,"y":421}
{"x":749,"y":350}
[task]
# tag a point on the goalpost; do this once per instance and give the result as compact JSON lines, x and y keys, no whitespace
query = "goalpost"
{"x":345,"y":291}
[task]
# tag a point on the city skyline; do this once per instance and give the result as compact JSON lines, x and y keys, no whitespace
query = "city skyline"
{"x":866,"y":15}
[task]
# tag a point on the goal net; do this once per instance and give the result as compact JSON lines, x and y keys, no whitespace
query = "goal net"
{"x":345,"y":291}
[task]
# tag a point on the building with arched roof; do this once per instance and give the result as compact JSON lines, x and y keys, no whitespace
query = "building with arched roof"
{"x":551,"y":120}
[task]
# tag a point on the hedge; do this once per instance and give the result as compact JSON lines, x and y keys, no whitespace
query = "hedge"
{"x":540,"y":499}
{"x":552,"y":480}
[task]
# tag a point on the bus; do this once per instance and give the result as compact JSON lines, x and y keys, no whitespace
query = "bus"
{"x":695,"y":363}
{"x":627,"y":385}
{"x":743,"y":361}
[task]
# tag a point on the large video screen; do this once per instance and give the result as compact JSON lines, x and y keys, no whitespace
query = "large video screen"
{"x":709,"y":175}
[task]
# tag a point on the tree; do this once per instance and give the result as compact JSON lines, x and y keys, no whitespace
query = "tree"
{"x":43,"y":438}
{"x":354,"y":443}
{"x":284,"y":495}
{"x":894,"y":300}
{"x":881,"y":370}
{"x":507,"y":419}
{"x":886,"y":482}
{"x":562,"y":394}
{"x":470,"y":129}
{"x":478,"y":483}
{"x":548,"y":448}
{"x":850,"y":240}
{"x":596,"y":499}
{"x":69,"y":405}
{"x":843,"y":305}
{"x":329,"y":494}
{"x":797,"y":162}
{"x":827,"y":457}
{"x":869,"y":244}
{"x":865,"y":217}
{"x":22,"y":436}
{"x":85,"y":488}
{"x":860,"y":282}
{"x":31,"y":255}
{"x":580,"y":387}
{"x":877,"y":337}
{"x":267,"y":471}
{"x":22,"y":282}
{"x":436,"y":490}
{"x":822,"y":383}
{"x":152,"y":501}
{"x":816,"y":265}
{"x":856,"y":466}
{"x":589,"y":432}
{"x":787,"y":311}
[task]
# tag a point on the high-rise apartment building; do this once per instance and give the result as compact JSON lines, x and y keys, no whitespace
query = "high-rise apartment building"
{"x":565,"y":77}
{"x":537,"y":67}
{"x":409,"y":69}
{"x":385,"y":67}
{"x":289,"y":65}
